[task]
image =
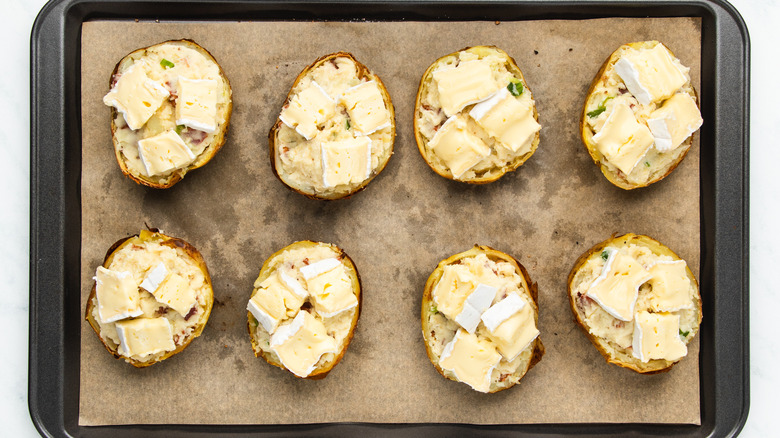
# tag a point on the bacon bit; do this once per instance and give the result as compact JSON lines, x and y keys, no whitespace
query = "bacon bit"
{"x":622,"y":90}
{"x":195,"y":136}
{"x":333,"y":61}
{"x":176,"y":339}
{"x":285,"y":149}
{"x":173,"y":96}
{"x":115,"y":79}
{"x":618,"y":324}
{"x":433,"y":334}
{"x":192,"y":311}
{"x":503,"y":377}
{"x":136,"y":247}
{"x":426,"y":107}
{"x":632,"y":106}
{"x":583,"y":300}
{"x":161,"y":311}
{"x":306,"y":261}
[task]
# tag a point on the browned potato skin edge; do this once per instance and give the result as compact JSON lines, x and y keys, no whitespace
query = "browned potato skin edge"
{"x":362,"y":72}
{"x":496,"y":256}
{"x":490,"y":176}
{"x":587,"y":134}
{"x":320,"y":372}
{"x":205,"y":157}
{"x":169,"y":241}
{"x":661,"y":366}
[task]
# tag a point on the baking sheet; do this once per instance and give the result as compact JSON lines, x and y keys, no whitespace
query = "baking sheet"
{"x":236,"y":213}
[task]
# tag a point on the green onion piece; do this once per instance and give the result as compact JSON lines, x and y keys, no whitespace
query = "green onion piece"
{"x":601,"y":108}
{"x":434,"y":309}
{"x":604,"y":255}
{"x":179,"y":129}
{"x":647,"y":164}
{"x":348,"y":125}
{"x":167,"y":64}
{"x":684,"y":334}
{"x":252,"y":321}
{"x":515,"y":87}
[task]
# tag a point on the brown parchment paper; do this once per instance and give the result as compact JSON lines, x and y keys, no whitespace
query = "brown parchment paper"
{"x":237,"y":214}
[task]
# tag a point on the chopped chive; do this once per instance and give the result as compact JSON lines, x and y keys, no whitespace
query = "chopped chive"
{"x":434,"y":309}
{"x":179,"y":129}
{"x":348,"y":125}
{"x":647,"y":164}
{"x":604,"y":255}
{"x":515,"y":87}
{"x":252,"y":321}
{"x":167,"y":64}
{"x":684,"y":334}
{"x":601,"y":108}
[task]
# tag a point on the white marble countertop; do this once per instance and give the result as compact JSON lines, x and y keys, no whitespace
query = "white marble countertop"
{"x":761,"y":16}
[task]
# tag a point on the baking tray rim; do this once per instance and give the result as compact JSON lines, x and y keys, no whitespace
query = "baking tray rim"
{"x":55,"y":88}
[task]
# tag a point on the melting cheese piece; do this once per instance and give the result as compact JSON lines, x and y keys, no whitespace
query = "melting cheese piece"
{"x":511,"y":326}
{"x":676,"y":120}
{"x":136,"y":96}
{"x":617,"y":287}
{"x":117,"y":295}
{"x":670,"y":287}
{"x":366,"y":107}
{"x":164,"y":153}
{"x":458,"y":147}
{"x":475,"y":305}
{"x":507,"y":119}
{"x":346,"y":161}
{"x":274,"y":302}
{"x":196,"y":105}
{"x":154,"y":277}
{"x":470,"y":82}
{"x":622,"y":139}
{"x":657,"y":336}
{"x":332,"y":292}
{"x":470,"y":359}
{"x":144,"y":336}
{"x":301,"y":343}
{"x":176,"y":293}
{"x":452,"y":290}
{"x":650,"y":75}
{"x":307,"y":110}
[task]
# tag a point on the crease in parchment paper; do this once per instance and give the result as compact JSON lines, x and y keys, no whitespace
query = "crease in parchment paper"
{"x":553,"y":208}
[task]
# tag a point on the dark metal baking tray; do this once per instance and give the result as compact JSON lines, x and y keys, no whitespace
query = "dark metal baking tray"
{"x":55,"y":224}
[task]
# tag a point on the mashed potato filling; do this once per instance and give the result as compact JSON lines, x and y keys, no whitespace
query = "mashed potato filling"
{"x":200,"y":102}
{"x":641,"y":161}
{"x":505,"y":321}
{"x":667,"y":291}
{"x":183,"y":284}
{"x":324,"y":293}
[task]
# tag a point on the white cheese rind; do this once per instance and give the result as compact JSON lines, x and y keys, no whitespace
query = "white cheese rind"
{"x":267,"y":321}
{"x":507,"y":119}
{"x":630,"y":76}
{"x":670,"y":286}
{"x":475,"y":305}
{"x":467,"y":83}
{"x":154,"y":277}
{"x":346,"y":161}
{"x":617,"y":287}
{"x":622,"y":139}
{"x":366,"y":108}
{"x":293,"y":285}
{"x":320,"y":267}
{"x":650,"y":74}
{"x":332,"y":292}
{"x":308,"y":109}
{"x":176,"y":293}
{"x":470,"y":359}
{"x":117,"y":295}
{"x":300,"y":344}
{"x":459,"y":149}
{"x":656,"y":336}
{"x":501,"y":311}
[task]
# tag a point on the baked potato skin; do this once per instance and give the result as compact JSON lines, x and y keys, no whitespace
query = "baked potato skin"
{"x":173,"y":242}
{"x":427,"y":80}
{"x":610,"y":352}
{"x":496,"y":256}
{"x":268,"y":268}
{"x":615,"y":176}
{"x":362,"y":72}
{"x":164,"y":182}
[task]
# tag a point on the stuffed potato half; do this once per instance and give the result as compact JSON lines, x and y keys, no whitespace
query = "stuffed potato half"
{"x":335,"y":131}
{"x":637,"y":302}
{"x":479,"y":317}
{"x":304,"y":308}
{"x":475,"y":118}
{"x":640,"y":115}
{"x":151,"y":297}
{"x":170,"y":110}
